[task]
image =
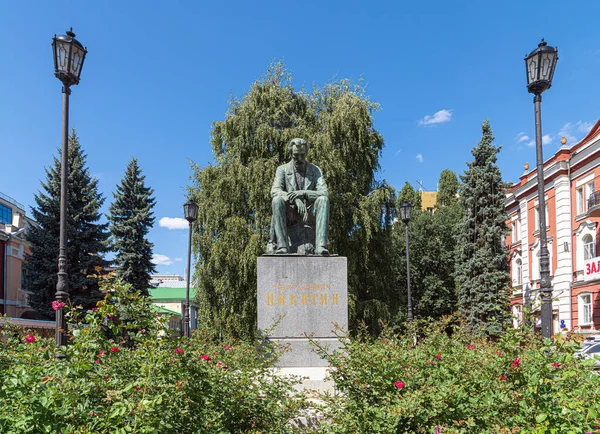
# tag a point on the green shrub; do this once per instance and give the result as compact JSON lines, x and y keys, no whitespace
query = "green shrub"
{"x":448,"y":382}
{"x":121,"y":374}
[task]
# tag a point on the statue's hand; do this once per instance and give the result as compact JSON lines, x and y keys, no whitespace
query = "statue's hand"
{"x":297,"y":194}
{"x":302,"y":210}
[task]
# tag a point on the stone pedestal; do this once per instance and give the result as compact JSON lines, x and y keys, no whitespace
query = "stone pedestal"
{"x":300,"y":296}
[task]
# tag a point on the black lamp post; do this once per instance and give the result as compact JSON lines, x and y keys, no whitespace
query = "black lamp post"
{"x":190,"y":212}
{"x":540,"y":66}
{"x":69,"y":55}
{"x":406,"y":210}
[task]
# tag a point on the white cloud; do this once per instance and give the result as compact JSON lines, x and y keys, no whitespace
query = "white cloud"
{"x":173,"y":223}
{"x":439,"y":117}
{"x":178,"y":259}
{"x":522,"y":137}
{"x":572,"y":132}
{"x":584,"y":127}
{"x":161,"y":259}
{"x":420,"y":158}
{"x":398,"y":151}
{"x":546,"y":139}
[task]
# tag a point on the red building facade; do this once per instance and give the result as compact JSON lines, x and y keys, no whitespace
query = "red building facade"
{"x":572,"y":192}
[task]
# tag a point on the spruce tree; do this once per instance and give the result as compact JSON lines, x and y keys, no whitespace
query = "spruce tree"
{"x":482,"y":269}
{"x":86,"y":237}
{"x":131,"y":217}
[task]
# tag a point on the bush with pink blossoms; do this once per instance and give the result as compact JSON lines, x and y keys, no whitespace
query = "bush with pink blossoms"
{"x":124,"y":375}
{"x":437,"y":374}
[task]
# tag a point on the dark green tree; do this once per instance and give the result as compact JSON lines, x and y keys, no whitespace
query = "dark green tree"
{"x":235,"y":207}
{"x":409,"y":194}
{"x":431,"y":260}
{"x":131,"y":217}
{"x":448,"y":186}
{"x":86,"y":237}
{"x":482,"y":269}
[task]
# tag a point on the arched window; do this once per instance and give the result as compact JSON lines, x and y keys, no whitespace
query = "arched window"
{"x":589,"y":248}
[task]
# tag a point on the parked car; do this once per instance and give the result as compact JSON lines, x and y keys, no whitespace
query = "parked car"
{"x":590,"y":350}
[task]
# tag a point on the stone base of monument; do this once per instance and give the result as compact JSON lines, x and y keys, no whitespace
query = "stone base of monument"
{"x":301,"y":297}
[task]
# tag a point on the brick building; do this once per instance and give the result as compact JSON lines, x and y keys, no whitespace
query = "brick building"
{"x":571,"y":176}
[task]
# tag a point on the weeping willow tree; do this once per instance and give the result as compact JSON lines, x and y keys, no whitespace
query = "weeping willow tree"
{"x":232,"y":229}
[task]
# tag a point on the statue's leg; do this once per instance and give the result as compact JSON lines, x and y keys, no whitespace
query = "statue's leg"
{"x":279,"y":224}
{"x":321,"y":211}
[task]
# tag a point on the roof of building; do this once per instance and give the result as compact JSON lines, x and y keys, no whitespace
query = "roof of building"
{"x":170,"y":294}
{"x":164,"y":310}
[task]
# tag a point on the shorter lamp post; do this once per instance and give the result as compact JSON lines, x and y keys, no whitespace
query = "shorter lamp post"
{"x":406,"y":210}
{"x":190,"y":212}
{"x":540,"y":64}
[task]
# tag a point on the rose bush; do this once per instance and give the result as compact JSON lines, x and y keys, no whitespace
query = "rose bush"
{"x":121,"y":373}
{"x":436,"y":376}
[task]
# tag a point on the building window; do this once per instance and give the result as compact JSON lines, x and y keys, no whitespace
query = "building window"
{"x":517,"y":315}
{"x":580,"y":201}
{"x":585,"y":309}
{"x":589,"y":247}
{"x":516,"y":230}
{"x":519,"y":272}
{"x":5,"y":215}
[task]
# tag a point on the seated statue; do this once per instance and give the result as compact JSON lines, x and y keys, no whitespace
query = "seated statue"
{"x":300,"y":202}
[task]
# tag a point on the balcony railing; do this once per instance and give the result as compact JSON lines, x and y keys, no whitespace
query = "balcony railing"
{"x":594,"y":203}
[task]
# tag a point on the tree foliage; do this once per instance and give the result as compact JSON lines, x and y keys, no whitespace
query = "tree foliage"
{"x":482,"y":269}
{"x":409,"y":194}
{"x":86,"y":237}
{"x":431,"y":242}
{"x":131,"y":217}
{"x":448,"y":188}
{"x":235,"y":207}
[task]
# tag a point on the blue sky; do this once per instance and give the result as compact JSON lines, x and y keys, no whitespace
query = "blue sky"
{"x":159,"y":73}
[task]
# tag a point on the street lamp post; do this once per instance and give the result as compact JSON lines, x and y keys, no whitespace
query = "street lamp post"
{"x":406,"y":210}
{"x":540,"y":64}
{"x":69,"y":55}
{"x":190,"y":212}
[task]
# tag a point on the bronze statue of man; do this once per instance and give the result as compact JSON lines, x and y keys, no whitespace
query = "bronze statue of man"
{"x":299,"y":199}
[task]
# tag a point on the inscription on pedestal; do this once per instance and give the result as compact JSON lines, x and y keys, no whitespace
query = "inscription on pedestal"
{"x":299,"y":296}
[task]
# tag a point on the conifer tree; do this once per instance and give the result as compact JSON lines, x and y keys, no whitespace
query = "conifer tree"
{"x":448,"y":188}
{"x":86,"y":237}
{"x":131,"y":217}
{"x":409,"y":194}
{"x":235,"y":207}
{"x":482,"y":269}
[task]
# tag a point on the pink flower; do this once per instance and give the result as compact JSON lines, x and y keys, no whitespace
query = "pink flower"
{"x":110,"y":317}
{"x":205,"y":357}
{"x":555,"y":364}
{"x":93,"y":414}
{"x":56,"y":305}
{"x":516,"y":362}
{"x":471,"y":347}
{"x":502,"y":377}
{"x":136,"y":387}
{"x":94,"y":309}
{"x":499,"y":354}
{"x":114,"y":349}
{"x":222,"y":365}
{"x":227,"y":347}
{"x":106,"y":378}
{"x":97,"y":361}
{"x":438,"y":356}
{"x":399,"y":384}
{"x":101,"y":353}
{"x":30,"y":339}
{"x":178,"y":351}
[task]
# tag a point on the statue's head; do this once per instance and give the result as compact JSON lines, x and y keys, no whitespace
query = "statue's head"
{"x":298,"y":149}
